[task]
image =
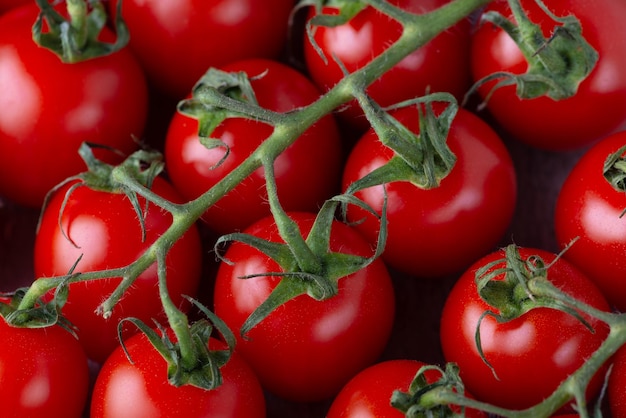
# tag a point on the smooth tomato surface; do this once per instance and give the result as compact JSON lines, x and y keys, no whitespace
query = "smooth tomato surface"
{"x":49,"y":108}
{"x":307,"y":173}
{"x":43,"y":373}
{"x":107,"y":234}
{"x":532,"y":354}
{"x":601,"y":98}
{"x":368,"y":394}
{"x":590,"y":210}
{"x":178,"y":40}
{"x":440,"y":65}
{"x":306,"y":350}
{"x":140,"y":389}
{"x":441,"y":230}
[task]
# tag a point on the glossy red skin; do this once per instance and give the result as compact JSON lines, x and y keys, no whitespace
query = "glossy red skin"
{"x":141,"y":389}
{"x":307,"y":173}
{"x":601,"y":98}
{"x":441,"y":65}
{"x":43,"y":373}
{"x":435,"y":232}
{"x":589,"y":210}
{"x":178,"y":40}
{"x":531,"y":354}
{"x":616,"y":390}
{"x":306,"y":350}
{"x":368,"y":394}
{"x":50,"y":108}
{"x":108,"y":234}
{"x":6,"y":5}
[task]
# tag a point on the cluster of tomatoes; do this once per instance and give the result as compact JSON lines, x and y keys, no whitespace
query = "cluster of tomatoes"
{"x":527,"y":171}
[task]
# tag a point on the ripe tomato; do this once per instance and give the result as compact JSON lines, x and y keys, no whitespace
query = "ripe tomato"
{"x":178,"y":40}
{"x":368,"y":394}
{"x":616,"y":390}
{"x":6,"y":5}
{"x":49,"y":108}
{"x":438,"y":231}
{"x":590,"y":209}
{"x":43,"y":372}
{"x":303,"y":183}
{"x":532,"y":354}
{"x":107,"y":234}
{"x":306,"y":350}
{"x":543,"y":122}
{"x":440,"y":65}
{"x":141,"y":389}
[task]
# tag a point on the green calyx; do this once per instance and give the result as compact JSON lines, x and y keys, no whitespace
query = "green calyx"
{"x":423,"y":159}
{"x":424,"y":399}
{"x":194,"y":364}
{"x":614,"y":169}
{"x":556,"y":65}
{"x":75,"y":39}
{"x":518,"y":287}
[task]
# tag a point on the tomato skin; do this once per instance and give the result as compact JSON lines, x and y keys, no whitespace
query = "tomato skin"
{"x":50,"y":108}
{"x":440,"y":65}
{"x":106,"y":230}
{"x":442,"y":230}
{"x":141,"y":390}
{"x":531,"y":354}
{"x":589,"y":210}
{"x":43,"y":373}
{"x":368,"y":394}
{"x":306,"y":350}
{"x":601,"y":98}
{"x":616,"y":390}
{"x":307,"y":173}
{"x":6,"y":5}
{"x":191,"y":33}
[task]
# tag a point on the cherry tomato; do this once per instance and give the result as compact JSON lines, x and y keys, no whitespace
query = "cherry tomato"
{"x":6,"y":5}
{"x":530,"y":355}
{"x":440,"y":65}
{"x":307,"y":173}
{"x":49,"y":108}
{"x":178,"y":40}
{"x":140,"y":388}
{"x":368,"y":394}
{"x":442,"y":230}
{"x":43,"y":372}
{"x":306,"y":350}
{"x":104,"y":230}
{"x":616,"y":390}
{"x":590,"y":210}
{"x":564,"y":124}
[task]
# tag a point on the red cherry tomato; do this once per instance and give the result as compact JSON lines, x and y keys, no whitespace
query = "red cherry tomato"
{"x":590,"y":210}
{"x":307,"y":173}
{"x":440,"y":65}
{"x":368,"y":394}
{"x":616,"y":390}
{"x":531,"y":355}
{"x":104,"y":230}
{"x":306,"y":350}
{"x":43,"y":372}
{"x":49,"y":108}
{"x":438,"y":231}
{"x":601,"y":98}
{"x":140,"y":388}
{"x":178,"y":40}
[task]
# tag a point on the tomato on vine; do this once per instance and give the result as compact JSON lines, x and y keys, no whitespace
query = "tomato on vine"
{"x":616,"y":390}
{"x":49,"y":106}
{"x":307,"y":172}
{"x":589,"y":216}
{"x":516,"y":361}
{"x":89,"y":230}
{"x":544,"y":122}
{"x":440,"y":65}
{"x":305,"y":349}
{"x":43,"y":372}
